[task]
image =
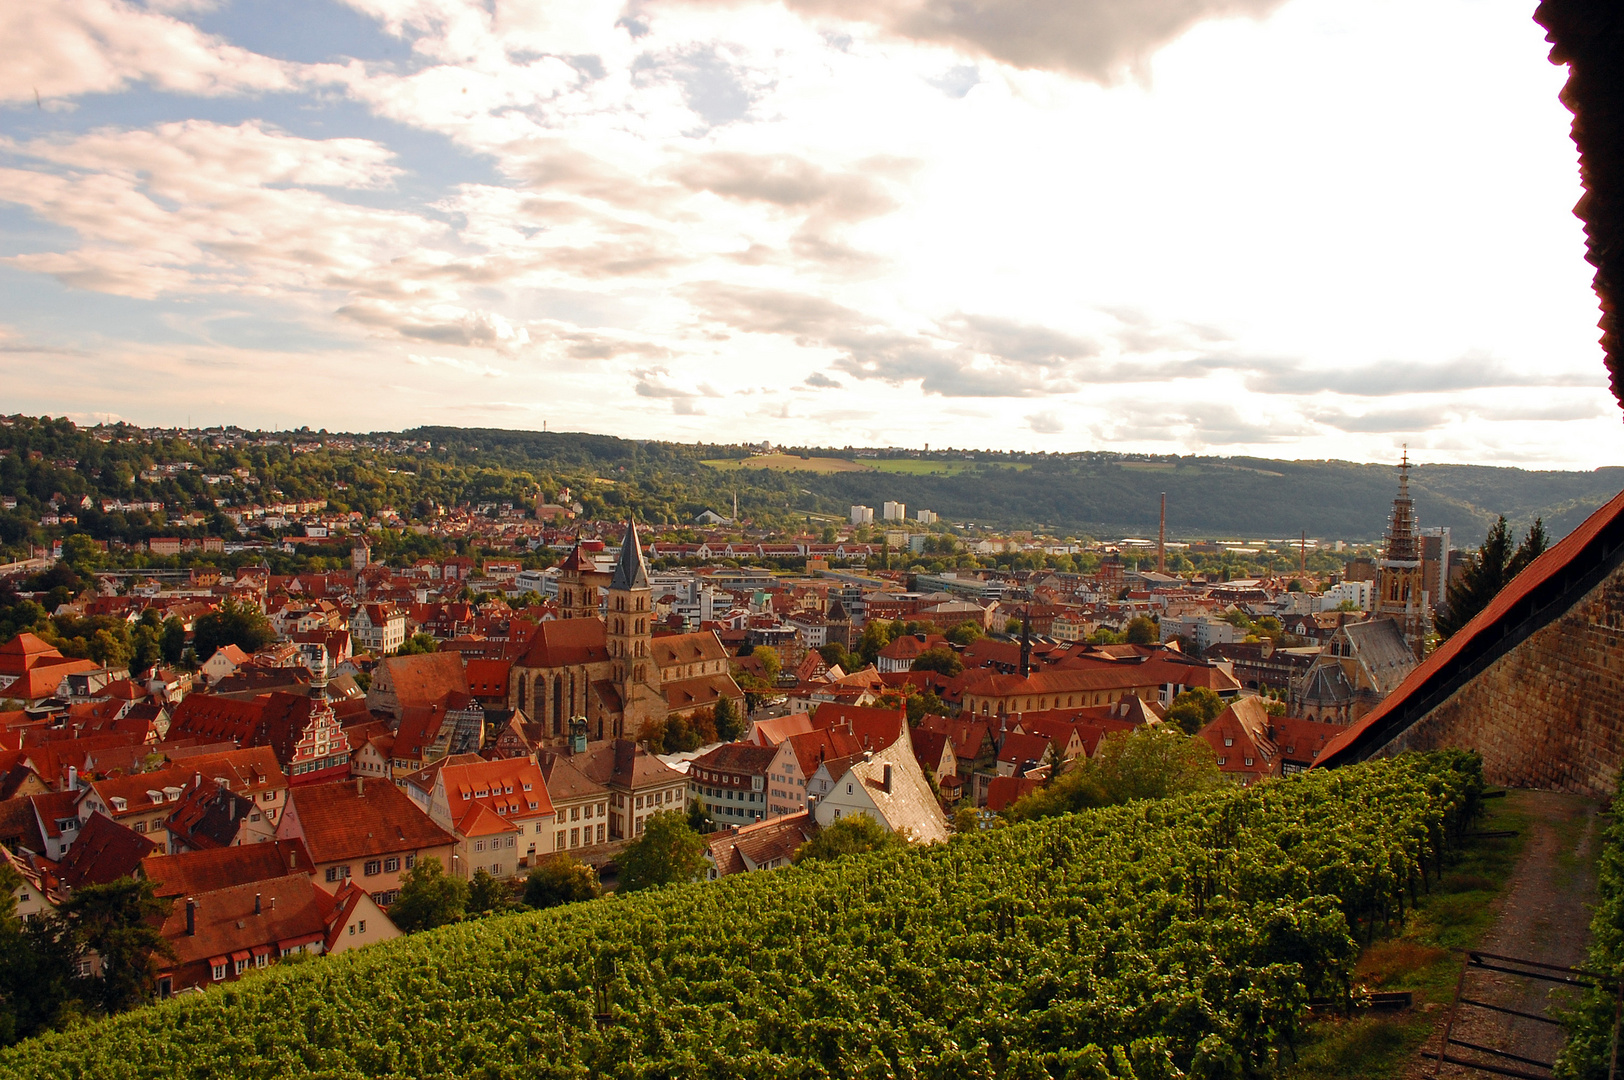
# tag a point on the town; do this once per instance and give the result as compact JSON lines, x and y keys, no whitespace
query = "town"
{"x":287,"y":761}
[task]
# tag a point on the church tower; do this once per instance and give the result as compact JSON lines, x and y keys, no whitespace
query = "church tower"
{"x":580,"y":585}
{"x":629,"y":634}
{"x":1400,"y":593}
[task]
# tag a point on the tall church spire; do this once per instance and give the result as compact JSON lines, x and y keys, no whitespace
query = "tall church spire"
{"x":631,"y":572}
{"x":1402,"y":545}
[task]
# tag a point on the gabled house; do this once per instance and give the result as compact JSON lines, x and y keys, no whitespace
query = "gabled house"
{"x":499,"y":811}
{"x":764,"y":845}
{"x":371,"y":833}
{"x":580,"y":803}
{"x":1240,"y":738}
{"x":730,"y":782}
{"x":218,"y":936}
{"x":889,"y":787}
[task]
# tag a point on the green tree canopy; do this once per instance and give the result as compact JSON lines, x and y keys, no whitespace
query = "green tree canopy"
{"x":851,"y":835}
{"x":939,"y":659}
{"x":562,"y":880}
{"x":487,"y":895}
{"x":429,"y":897}
{"x":417,"y":645}
{"x":1141,"y":631}
{"x":669,"y":851}
{"x":729,"y":722}
{"x":771,"y":664}
{"x":236,"y":623}
{"x":1194,"y":709}
{"x":118,"y":922}
{"x":1146,"y":763}
{"x":1486,"y":572}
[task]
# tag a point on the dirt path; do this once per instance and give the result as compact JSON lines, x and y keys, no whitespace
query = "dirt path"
{"x":1544,"y":916}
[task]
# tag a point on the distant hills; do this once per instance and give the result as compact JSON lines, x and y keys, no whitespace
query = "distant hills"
{"x":1099,"y":494}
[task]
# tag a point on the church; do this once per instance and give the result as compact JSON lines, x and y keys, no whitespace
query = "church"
{"x":600,"y":661}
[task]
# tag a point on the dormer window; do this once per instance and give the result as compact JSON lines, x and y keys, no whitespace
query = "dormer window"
{"x":1228,"y":741}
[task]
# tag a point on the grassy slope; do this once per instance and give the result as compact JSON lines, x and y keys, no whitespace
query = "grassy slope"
{"x":1455,"y":915}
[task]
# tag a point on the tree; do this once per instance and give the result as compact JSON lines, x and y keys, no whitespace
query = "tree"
{"x":853,"y":834}
{"x":667,"y":852}
{"x":429,"y":897}
{"x":118,"y":922}
{"x":1146,"y":763}
{"x":417,"y":645}
{"x":966,"y":819}
{"x":939,"y":659}
{"x":729,"y":724}
{"x":236,"y":623}
{"x":560,"y":881}
{"x":771,"y":664}
{"x":1141,"y":631}
{"x":173,"y":642}
{"x":964,"y":634}
{"x":1486,"y":572}
{"x":486,"y":894}
{"x":1195,"y":709}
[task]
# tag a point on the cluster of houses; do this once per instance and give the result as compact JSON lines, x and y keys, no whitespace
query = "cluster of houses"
{"x":280,"y":797}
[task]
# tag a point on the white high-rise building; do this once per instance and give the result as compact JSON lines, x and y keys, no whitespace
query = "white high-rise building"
{"x":895,"y":511}
{"x":862,"y":515}
{"x":925,"y":517}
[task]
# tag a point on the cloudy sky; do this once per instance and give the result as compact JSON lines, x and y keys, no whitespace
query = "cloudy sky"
{"x":1300,"y":228}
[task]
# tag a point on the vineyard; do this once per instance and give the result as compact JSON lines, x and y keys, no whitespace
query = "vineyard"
{"x":1153,"y":940}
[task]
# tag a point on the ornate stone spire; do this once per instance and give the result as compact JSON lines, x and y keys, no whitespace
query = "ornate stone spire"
{"x":1402,"y":545}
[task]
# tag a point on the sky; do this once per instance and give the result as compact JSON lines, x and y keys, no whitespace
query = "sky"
{"x":1291,"y":228}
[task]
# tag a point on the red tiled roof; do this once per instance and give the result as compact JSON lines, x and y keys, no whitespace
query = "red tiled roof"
{"x":566,"y":643}
{"x":352,"y":820}
{"x":1004,"y":791}
{"x":104,"y":851}
{"x":204,"y":871}
{"x":876,"y":728}
{"x":425,"y":678}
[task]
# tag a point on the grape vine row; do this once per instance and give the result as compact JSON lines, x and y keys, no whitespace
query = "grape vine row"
{"x":1153,"y":940}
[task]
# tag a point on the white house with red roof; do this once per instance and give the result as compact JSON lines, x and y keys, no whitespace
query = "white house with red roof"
{"x":499,"y":811}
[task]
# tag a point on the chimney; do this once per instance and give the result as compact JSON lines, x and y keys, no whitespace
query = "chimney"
{"x":197,"y":779}
{"x":273,"y":903}
{"x":73,"y":778}
{"x":256,"y":904}
{"x":888,"y":779}
{"x":191,"y":916}
{"x":293,"y":859}
{"x":360,"y":785}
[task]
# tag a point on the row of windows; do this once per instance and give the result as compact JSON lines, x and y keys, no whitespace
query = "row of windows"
{"x":740,"y":796}
{"x":372,"y":867}
{"x":479,"y":845}
{"x":658,"y":798}
{"x":300,"y":768}
{"x":580,"y":836}
{"x":717,"y":810}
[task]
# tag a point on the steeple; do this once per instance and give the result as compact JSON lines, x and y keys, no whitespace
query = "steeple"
{"x":1402,"y":545}
{"x":631,"y":572}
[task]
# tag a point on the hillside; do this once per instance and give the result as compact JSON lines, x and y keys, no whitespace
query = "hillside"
{"x":1140,"y":940}
{"x":1085,"y":494}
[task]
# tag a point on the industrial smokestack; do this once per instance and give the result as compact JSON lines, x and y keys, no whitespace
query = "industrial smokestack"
{"x":1161,"y":539}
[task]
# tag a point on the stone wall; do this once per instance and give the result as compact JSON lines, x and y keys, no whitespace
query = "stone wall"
{"x":1549,"y":713}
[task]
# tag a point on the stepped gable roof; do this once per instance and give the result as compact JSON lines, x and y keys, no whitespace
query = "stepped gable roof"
{"x":209,"y":816}
{"x":1382,"y":650}
{"x":565,"y":782}
{"x":875,"y":728}
{"x":1587,"y":35}
{"x":1544,"y":591}
{"x":566,"y":643}
{"x":1005,"y":791}
{"x":104,"y":851}
{"x":426,"y":677}
{"x":813,"y":747}
{"x":761,"y":843}
{"x":772,"y":731}
{"x":292,"y":910}
{"x":669,"y":650}
{"x":194,"y":872}
{"x":349,"y":819}
{"x":631,"y":572}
